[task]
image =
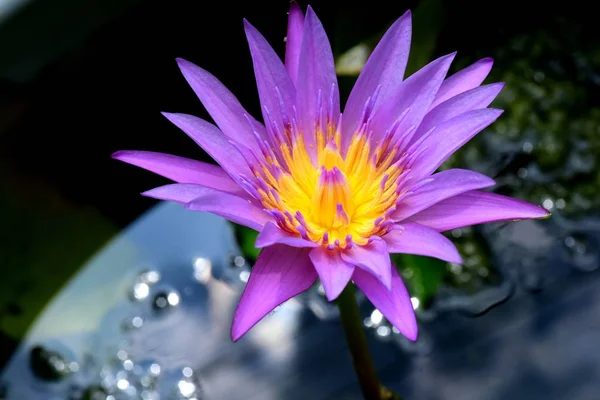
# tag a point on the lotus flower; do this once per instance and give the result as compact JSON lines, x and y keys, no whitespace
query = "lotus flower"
{"x":331,"y":193}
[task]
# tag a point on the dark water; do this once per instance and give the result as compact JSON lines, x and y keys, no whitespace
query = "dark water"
{"x":148,"y":316}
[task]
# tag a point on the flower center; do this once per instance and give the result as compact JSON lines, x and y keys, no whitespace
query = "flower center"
{"x":328,"y":198}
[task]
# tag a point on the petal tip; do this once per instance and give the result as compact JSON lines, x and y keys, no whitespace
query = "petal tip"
{"x":456,"y":259}
{"x":295,"y":7}
{"x":236,"y":333}
{"x":182,"y":62}
{"x":411,"y":334}
{"x":119,"y":154}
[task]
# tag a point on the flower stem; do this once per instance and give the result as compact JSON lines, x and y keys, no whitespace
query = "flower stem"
{"x":359,"y":349}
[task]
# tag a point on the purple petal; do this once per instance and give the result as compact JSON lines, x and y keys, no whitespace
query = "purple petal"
{"x":444,"y":184}
{"x":449,"y":137}
{"x":334,"y":272}
{"x":422,"y":241}
{"x":179,"y":169}
{"x":212,"y":141}
{"x":384,"y":68}
{"x":394,"y":303}
{"x":473,"y":99}
{"x":415,"y":94}
{"x":293,"y":43}
{"x":476,"y":207}
{"x":232,"y":208}
{"x":280,"y":273}
{"x":464,"y":80}
{"x":271,"y":234}
{"x":272,"y":80}
{"x":316,"y":74}
{"x":221,"y":104}
{"x":373,"y":258}
{"x":179,"y":192}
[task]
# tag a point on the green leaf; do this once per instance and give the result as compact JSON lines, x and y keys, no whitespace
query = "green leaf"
{"x":422,"y":275}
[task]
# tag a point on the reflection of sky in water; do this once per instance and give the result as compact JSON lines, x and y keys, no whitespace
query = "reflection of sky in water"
{"x":150,"y":315}
{"x":147,"y":314}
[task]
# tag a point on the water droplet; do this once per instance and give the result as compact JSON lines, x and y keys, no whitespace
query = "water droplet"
{"x":149,"y":395}
{"x":455,"y":268}
{"x":202,"y":269}
{"x":73,"y":366}
{"x":239,"y":261}
{"x":155,"y":369}
{"x":522,"y":173}
{"x":415,"y":302}
{"x":132,"y":323}
{"x":321,"y":289}
{"x":128,"y":365}
{"x":149,"y":277}
{"x":122,"y":384}
{"x":48,"y":365}
{"x":165,"y":300}
{"x":187,"y":372}
{"x":186,"y":388}
{"x":376,"y":317}
{"x":548,"y":204}
{"x":139,"y":291}
{"x":560,"y":204}
{"x":383,"y":331}
{"x":148,"y":372}
{"x":527,"y":147}
{"x":244,"y":276}
{"x":122,"y":355}
{"x":538,"y":76}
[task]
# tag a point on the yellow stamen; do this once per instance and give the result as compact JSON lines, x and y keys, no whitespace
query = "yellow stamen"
{"x":340,"y":198}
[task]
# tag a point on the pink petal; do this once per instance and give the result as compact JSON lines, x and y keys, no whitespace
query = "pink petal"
{"x":449,"y":137}
{"x":232,"y":208}
{"x":293,"y":43}
{"x":415,"y":94}
{"x":272,"y":80}
{"x":280,"y":273}
{"x":221,"y":104}
{"x":473,"y":99}
{"x":463,"y":80}
{"x":316,"y":74}
{"x":476,"y":207}
{"x":444,"y":184}
{"x":334,"y":272}
{"x":394,"y":303}
{"x":416,"y":239}
{"x":384,"y":69}
{"x":212,"y":140}
{"x":271,"y":234}
{"x":179,"y":169}
{"x":373,"y":258}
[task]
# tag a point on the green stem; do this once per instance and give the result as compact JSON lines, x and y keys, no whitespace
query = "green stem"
{"x":359,"y":349}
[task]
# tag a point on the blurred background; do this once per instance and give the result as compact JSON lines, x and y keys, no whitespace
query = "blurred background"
{"x":82,"y":79}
